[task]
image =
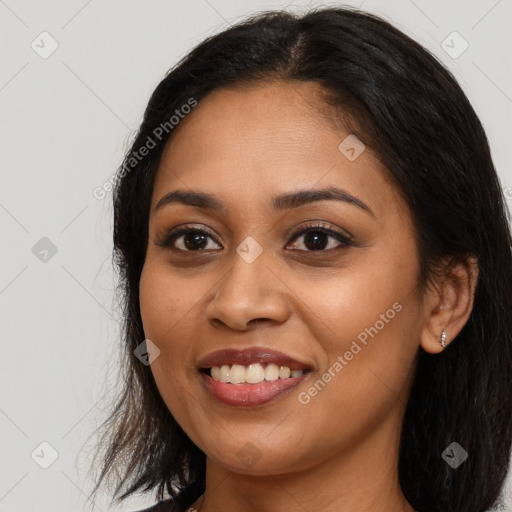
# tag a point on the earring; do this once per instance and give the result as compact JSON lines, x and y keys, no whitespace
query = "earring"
{"x":443,"y":339}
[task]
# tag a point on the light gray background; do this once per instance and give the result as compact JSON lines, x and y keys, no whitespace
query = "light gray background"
{"x":66,"y":120}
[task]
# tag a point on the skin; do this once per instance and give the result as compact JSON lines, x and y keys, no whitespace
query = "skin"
{"x":340,"y":450}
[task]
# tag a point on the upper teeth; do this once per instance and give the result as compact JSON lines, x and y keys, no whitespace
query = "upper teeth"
{"x":252,"y":374}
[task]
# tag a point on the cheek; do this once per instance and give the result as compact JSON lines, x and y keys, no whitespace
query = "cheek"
{"x":362,"y":302}
{"x":160,"y":304}
{"x":164,"y":321}
{"x":368,"y":369}
{"x":169,"y":310}
{"x":160,"y":313}
{"x":373,"y":316}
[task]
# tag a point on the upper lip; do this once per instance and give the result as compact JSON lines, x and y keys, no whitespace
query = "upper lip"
{"x":249,"y":356}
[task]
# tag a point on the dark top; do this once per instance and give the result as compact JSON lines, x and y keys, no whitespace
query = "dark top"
{"x":163,"y":506}
{"x":181,"y":503}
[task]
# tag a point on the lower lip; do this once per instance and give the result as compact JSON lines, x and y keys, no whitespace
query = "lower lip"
{"x":250,"y":395}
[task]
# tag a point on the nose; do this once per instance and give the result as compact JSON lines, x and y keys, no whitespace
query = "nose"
{"x":249,"y":294}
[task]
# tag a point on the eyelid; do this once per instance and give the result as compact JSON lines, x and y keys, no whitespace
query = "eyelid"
{"x":324,"y":227}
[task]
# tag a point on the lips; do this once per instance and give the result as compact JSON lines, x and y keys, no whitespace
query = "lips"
{"x":247,"y":394}
{"x":249,"y":356}
{"x":250,"y":395}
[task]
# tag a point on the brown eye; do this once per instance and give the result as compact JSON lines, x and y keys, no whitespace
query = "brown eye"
{"x":316,"y":238}
{"x":187,"y":239}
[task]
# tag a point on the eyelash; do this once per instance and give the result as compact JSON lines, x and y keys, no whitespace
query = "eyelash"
{"x":345,"y":241}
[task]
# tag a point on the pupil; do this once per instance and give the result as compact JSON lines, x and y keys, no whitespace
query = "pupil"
{"x":193,"y":240}
{"x":314,"y":236}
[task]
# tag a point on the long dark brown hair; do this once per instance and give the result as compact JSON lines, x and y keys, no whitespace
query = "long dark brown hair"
{"x":400,"y":101}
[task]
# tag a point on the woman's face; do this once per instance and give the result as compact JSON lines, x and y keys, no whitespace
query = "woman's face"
{"x":254,"y":270}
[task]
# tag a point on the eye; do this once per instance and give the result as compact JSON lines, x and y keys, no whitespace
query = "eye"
{"x":316,"y":235}
{"x":191,"y":239}
{"x":188,"y":238}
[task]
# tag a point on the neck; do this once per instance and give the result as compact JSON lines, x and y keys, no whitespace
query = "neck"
{"x":361,"y":478}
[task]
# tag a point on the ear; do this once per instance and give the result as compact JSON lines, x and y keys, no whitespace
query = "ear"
{"x":448,"y":303}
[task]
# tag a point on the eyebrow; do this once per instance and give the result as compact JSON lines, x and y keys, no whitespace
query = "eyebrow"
{"x":281,"y":202}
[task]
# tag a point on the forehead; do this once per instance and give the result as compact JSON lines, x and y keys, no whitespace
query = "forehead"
{"x":254,"y":142}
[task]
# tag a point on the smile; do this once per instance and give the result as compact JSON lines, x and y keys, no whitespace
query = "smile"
{"x":253,"y":373}
{"x":250,"y":377}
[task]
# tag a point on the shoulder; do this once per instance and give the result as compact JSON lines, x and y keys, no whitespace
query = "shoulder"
{"x":181,"y":503}
{"x":161,"y":506}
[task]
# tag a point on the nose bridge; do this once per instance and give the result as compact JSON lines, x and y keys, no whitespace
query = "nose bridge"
{"x":249,"y":290}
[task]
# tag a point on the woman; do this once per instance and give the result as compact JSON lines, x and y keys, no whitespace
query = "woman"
{"x":316,"y":269}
